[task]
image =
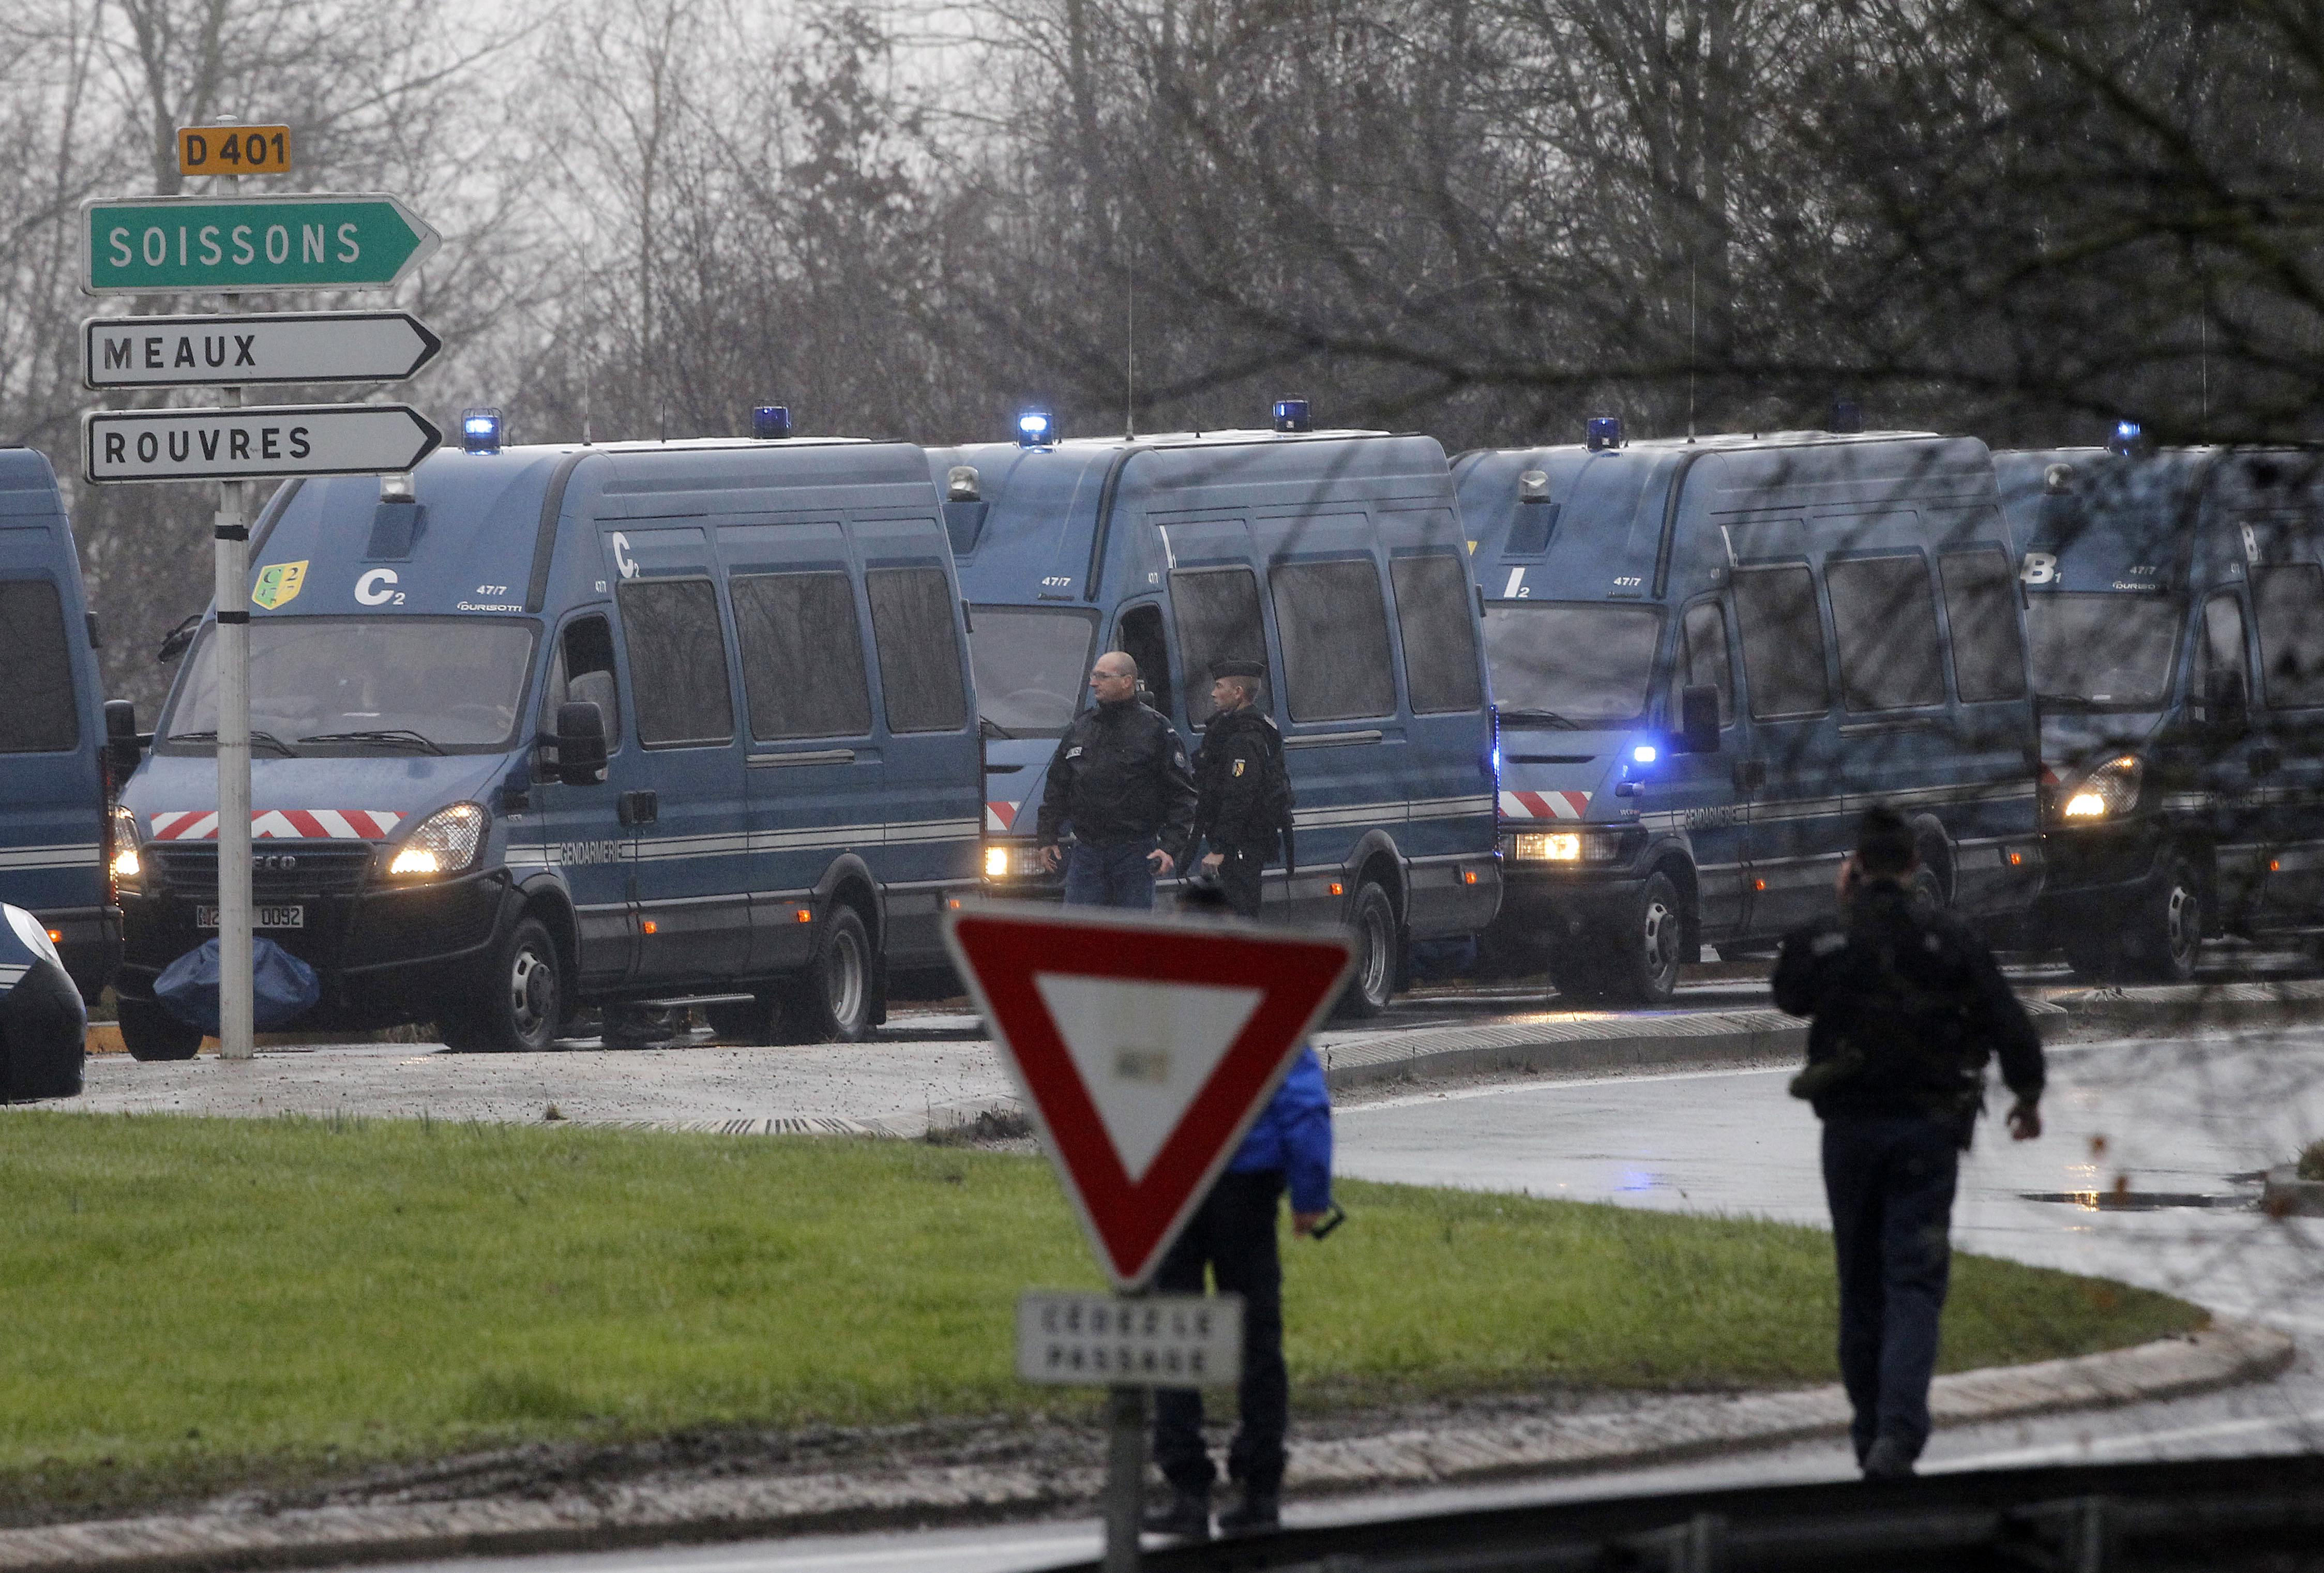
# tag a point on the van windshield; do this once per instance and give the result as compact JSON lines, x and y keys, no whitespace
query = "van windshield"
{"x":424,"y":685}
{"x":1572,"y":661}
{"x":2102,"y":648}
{"x":1031,"y":665}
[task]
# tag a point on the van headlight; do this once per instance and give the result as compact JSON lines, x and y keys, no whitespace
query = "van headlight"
{"x":447,"y":842}
{"x":2107,"y":792}
{"x":1568,"y":846}
{"x":1012,"y":861}
{"x":128,"y":868}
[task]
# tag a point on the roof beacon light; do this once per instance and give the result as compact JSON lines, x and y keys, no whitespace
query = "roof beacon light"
{"x":962,"y":484}
{"x":1035,"y":430}
{"x":1291,"y":415}
{"x":1532,"y":487}
{"x":771,"y":422}
{"x":2129,"y":438}
{"x":1605,"y":431}
{"x":480,"y":431}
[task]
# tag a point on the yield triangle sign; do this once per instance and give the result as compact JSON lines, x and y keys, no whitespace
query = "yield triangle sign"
{"x":1144,"y":1047}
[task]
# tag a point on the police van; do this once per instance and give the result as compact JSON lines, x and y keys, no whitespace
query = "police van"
{"x":1709,"y":656}
{"x":639,"y":725}
{"x":1335,"y":558}
{"x":56,"y":761}
{"x":2176,"y":605}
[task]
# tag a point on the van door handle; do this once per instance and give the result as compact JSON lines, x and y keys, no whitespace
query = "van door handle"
{"x":1750,"y":774}
{"x":640,"y":807}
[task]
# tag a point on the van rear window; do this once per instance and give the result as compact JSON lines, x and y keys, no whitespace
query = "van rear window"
{"x":41,"y":716}
{"x":1334,"y":631}
{"x":1217,"y":612}
{"x":1890,"y":657}
{"x":1432,"y":617}
{"x":802,"y":656}
{"x":1783,"y":641}
{"x":919,"y":657}
{"x":678,"y":662}
{"x":2288,"y":605}
{"x":1571,"y":660}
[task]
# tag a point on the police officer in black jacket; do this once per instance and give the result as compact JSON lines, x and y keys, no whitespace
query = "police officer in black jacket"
{"x":1118,"y":778}
{"x":1243,"y":802}
{"x":1906,"y":1006}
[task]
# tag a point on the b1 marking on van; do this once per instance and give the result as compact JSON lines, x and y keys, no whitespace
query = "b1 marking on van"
{"x":375,"y":588}
{"x":2041,"y":568}
{"x":1514,"y":590}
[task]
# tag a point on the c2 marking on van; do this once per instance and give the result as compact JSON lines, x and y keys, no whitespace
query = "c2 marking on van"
{"x":2041,"y":568}
{"x":622,"y":558}
{"x":1514,"y":590}
{"x":375,"y":588}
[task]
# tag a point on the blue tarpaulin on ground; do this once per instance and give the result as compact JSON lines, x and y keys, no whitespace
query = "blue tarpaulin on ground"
{"x":284,"y":987}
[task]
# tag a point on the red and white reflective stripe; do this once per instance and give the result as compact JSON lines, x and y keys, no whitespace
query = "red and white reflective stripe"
{"x":1545,"y":805}
{"x":1000,"y":818}
{"x":303,"y":824}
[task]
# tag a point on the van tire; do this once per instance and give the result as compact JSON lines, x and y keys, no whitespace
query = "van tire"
{"x":1372,"y":982}
{"x":2163,"y":938}
{"x":150,"y":1033}
{"x":521,"y":999}
{"x":831,"y":1001}
{"x":1640,"y":965}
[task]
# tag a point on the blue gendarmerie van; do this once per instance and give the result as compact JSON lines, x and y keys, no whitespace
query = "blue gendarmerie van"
{"x":638,"y":724}
{"x":2176,"y":605}
{"x":1710,"y":655}
{"x":1332,"y":557}
{"x":56,"y":768}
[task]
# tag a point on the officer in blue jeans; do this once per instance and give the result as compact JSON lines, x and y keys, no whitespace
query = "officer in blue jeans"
{"x":1119,"y":780}
{"x":1906,"y":1008}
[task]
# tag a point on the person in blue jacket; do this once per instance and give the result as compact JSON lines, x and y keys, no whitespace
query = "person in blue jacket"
{"x":1232,"y":1234}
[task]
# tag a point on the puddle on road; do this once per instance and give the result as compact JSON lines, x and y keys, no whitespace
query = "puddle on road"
{"x":2137,"y":1200}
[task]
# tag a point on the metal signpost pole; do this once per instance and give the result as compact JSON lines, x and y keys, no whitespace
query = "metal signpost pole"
{"x":1125,"y":1476}
{"x":236,"y":963}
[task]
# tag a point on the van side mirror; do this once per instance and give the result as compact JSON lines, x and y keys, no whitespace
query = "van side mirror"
{"x":122,"y":747}
{"x":2226,"y":703}
{"x":1697,"y":727}
{"x":174,"y":642}
{"x":580,"y":743}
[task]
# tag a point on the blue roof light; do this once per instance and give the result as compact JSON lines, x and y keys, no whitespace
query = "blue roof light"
{"x":1291,"y":415}
{"x":480,"y":430}
{"x":2129,"y":438}
{"x":1644,"y":753}
{"x":769,"y":422}
{"x":1604,"y":431}
{"x":1035,"y":430}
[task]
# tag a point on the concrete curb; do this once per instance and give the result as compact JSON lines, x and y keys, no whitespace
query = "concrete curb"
{"x":2203,"y":1004}
{"x":732,"y":1509}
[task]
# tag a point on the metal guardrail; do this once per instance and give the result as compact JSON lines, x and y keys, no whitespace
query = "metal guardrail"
{"x":2219,"y":1515}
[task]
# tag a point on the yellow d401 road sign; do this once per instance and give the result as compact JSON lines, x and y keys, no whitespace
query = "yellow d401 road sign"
{"x":233,"y":150}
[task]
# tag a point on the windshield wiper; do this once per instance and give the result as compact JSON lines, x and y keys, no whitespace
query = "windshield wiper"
{"x":257,"y":740}
{"x":988,"y":727}
{"x":1550,"y":716}
{"x":379,"y":734}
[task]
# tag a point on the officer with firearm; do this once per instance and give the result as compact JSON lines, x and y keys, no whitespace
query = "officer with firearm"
{"x":1907,"y":1005}
{"x":1244,"y":793}
{"x":1118,"y":778}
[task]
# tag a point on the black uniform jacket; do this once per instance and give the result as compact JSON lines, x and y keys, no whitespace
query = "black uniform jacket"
{"x":1907,"y":1005}
{"x":1237,"y":773}
{"x":1120,"y":774}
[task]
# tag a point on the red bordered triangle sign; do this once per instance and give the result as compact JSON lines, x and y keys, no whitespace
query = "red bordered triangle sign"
{"x":1144,"y":1047}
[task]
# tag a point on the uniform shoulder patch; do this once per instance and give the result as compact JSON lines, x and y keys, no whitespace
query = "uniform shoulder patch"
{"x":1238,"y":765}
{"x":1074,"y":752}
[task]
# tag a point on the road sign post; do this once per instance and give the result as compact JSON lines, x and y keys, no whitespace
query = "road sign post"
{"x":1144,"y":1048}
{"x":237,"y":945}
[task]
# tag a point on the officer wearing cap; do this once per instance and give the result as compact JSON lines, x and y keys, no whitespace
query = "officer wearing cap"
{"x":1907,"y":1006}
{"x":1243,"y":802}
{"x":1118,"y":778}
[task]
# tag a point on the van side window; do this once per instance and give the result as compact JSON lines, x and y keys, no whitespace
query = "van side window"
{"x":40,"y":717}
{"x":1783,"y":641}
{"x":583,"y":671}
{"x":802,"y":655}
{"x":2287,"y":606}
{"x":1432,"y":617}
{"x":1217,"y":613}
{"x":919,"y":658}
{"x":2221,"y":647}
{"x":1703,"y":658}
{"x":678,"y":662}
{"x":1890,"y":657}
{"x":1334,"y":633}
{"x":1138,"y":636}
{"x":1981,"y":605}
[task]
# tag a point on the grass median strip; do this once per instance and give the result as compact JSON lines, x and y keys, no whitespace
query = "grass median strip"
{"x":201,"y":1302}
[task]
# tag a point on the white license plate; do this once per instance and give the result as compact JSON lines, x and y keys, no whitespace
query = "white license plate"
{"x":261,"y":917}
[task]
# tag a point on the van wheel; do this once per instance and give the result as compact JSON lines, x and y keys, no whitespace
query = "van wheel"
{"x":744,"y":1022}
{"x":2165,"y":936}
{"x":1641,"y":967}
{"x":521,"y":1000}
{"x":831,"y":1001}
{"x":1373,"y":984}
{"x":149,"y":1031}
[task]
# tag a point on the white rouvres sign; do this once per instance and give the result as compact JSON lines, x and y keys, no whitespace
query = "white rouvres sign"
{"x":255,"y":443}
